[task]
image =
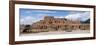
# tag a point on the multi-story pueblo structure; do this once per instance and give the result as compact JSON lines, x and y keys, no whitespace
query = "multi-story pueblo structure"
{"x":51,"y":23}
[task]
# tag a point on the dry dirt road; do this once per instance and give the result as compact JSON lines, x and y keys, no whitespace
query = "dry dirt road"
{"x":57,"y":33}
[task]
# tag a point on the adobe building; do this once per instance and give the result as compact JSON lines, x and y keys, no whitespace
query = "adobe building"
{"x":49,"y":22}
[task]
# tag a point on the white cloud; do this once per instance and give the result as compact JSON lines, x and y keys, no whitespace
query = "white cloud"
{"x":41,"y":15}
{"x":85,"y":16}
{"x":31,"y":19}
{"x":28,"y":20}
{"x":59,"y":16}
{"x":79,"y":16}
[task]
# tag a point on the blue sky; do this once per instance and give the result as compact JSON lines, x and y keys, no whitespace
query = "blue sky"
{"x":29,"y":16}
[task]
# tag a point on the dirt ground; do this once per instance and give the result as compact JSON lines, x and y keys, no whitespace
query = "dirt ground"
{"x":57,"y":32}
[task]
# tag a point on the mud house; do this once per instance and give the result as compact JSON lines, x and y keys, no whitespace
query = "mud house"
{"x":52,"y":23}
